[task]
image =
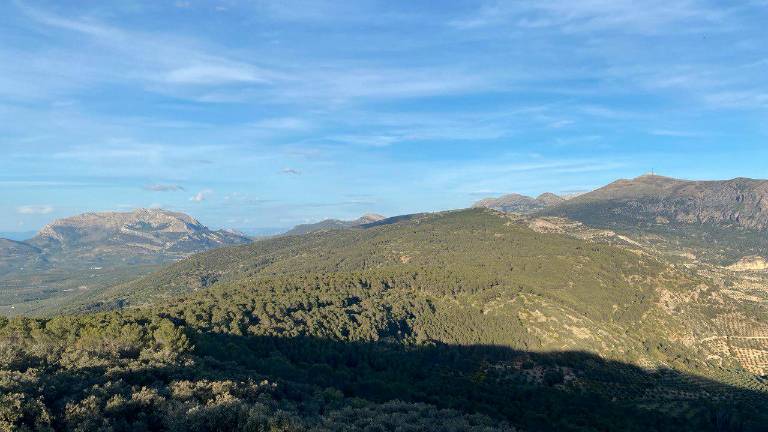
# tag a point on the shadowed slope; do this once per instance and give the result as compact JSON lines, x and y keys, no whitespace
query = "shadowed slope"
{"x":162,"y":373}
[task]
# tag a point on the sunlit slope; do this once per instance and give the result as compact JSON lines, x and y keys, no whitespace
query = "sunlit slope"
{"x":470,"y":276}
{"x":458,"y":253}
{"x":718,"y":221}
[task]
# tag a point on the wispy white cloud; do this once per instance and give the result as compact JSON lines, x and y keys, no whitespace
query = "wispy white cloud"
{"x":114,"y":151}
{"x":383,"y":130}
{"x":187,"y":68}
{"x":737,"y":99}
{"x":502,"y":174}
{"x":579,"y":140}
{"x":347,"y":83}
{"x":202,"y":195}
{"x":370,"y":140}
{"x":520,"y":174}
{"x":35,"y":209}
{"x":316,"y":11}
{"x":207,"y":74}
{"x":45,"y":184}
{"x":593,"y":15}
{"x":164,"y":188}
{"x":128,"y":158}
{"x":558,"y":124}
{"x":112,"y":54}
{"x":282,"y":123}
{"x":675,"y":133}
{"x":81,"y":26}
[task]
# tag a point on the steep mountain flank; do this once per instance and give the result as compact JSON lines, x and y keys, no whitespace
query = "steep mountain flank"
{"x":12,"y":248}
{"x":741,"y":202}
{"x":717,"y":221}
{"x":15,"y":254}
{"x":334,"y":224}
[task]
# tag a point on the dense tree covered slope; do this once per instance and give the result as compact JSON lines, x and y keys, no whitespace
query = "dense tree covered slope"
{"x":465,"y":320}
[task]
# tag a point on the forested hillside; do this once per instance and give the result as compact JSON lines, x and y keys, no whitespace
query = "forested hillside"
{"x":466,"y":252}
{"x":464,"y":320}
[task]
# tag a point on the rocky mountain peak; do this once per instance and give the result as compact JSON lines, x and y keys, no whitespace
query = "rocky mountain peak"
{"x":369,"y":218}
{"x":740,"y":202}
{"x":333,"y":224}
{"x":517,"y":203}
{"x":144,"y":230}
{"x":549,"y":199}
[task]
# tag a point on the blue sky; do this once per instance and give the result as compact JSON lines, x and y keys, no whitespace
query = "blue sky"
{"x":269,"y":113}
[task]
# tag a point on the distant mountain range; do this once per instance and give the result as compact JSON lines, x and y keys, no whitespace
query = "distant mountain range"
{"x":516,"y":203}
{"x":17,"y":235}
{"x":143,"y":235}
{"x":90,"y":252}
{"x":651,"y":201}
{"x":333,"y":224}
{"x":740,"y":202}
{"x":725,"y":219}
